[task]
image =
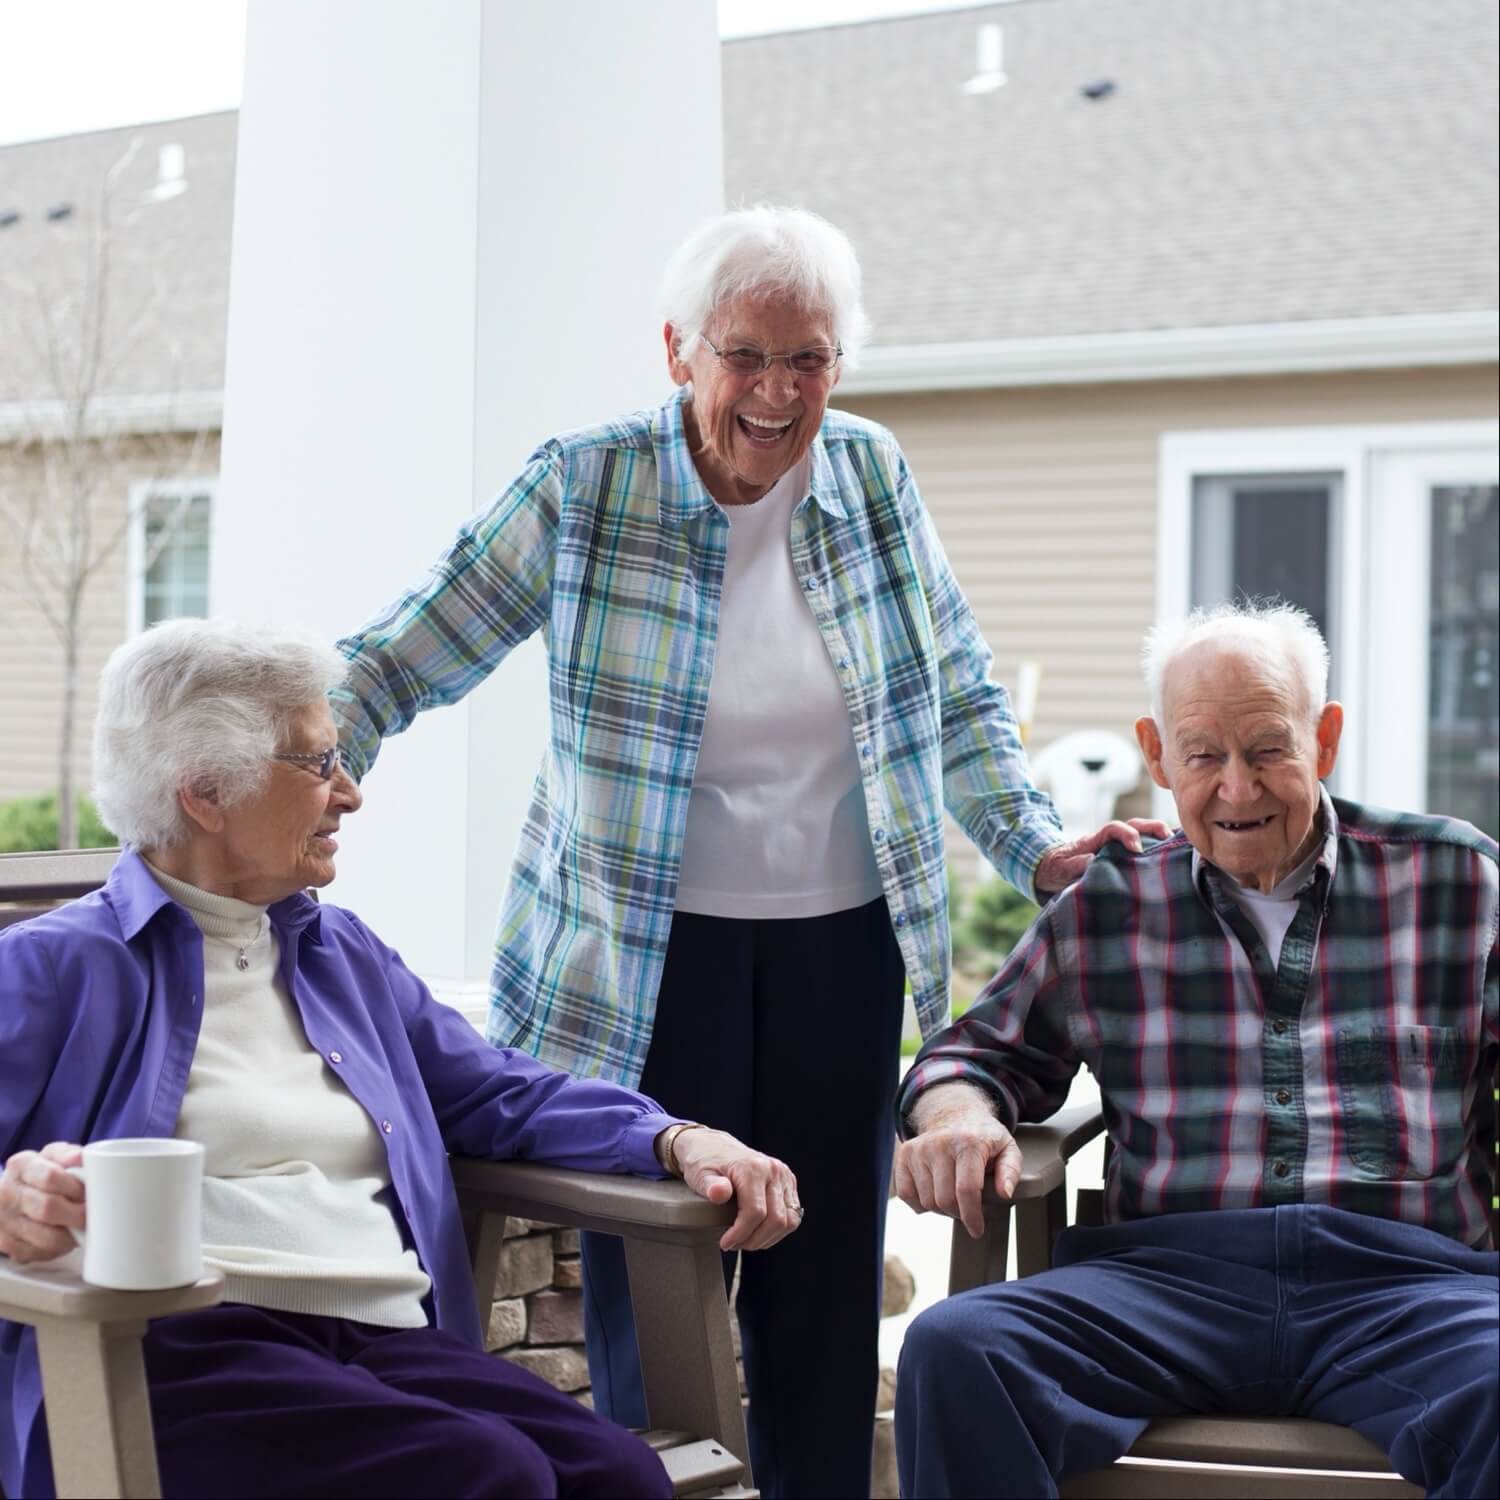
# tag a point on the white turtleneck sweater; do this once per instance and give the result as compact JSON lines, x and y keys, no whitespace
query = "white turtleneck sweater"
{"x":295,"y":1174}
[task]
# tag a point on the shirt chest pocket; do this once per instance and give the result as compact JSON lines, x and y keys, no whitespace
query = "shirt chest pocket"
{"x":1401,"y":1096}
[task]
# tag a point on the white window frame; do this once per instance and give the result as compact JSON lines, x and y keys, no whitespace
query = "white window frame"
{"x":1354,"y":453}
{"x":142,"y":491}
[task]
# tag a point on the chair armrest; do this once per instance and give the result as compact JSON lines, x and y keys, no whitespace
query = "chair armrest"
{"x":636,"y":1207}
{"x":88,"y":1344}
{"x":54,"y":876}
{"x":1047,"y":1148}
{"x":1039,"y":1200}
{"x":676,"y":1278}
{"x":54,"y":1289}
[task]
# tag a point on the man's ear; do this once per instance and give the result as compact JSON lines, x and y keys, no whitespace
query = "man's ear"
{"x":201,"y":804}
{"x":1148,"y":737}
{"x":1330,"y":729}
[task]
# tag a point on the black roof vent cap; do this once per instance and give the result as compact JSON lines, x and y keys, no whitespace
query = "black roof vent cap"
{"x":1100,"y":88}
{"x":9,"y":216}
{"x":60,"y":211}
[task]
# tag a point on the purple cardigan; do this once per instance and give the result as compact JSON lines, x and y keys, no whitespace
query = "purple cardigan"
{"x":100,"y":1003}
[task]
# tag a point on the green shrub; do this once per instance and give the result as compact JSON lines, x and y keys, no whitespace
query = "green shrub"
{"x":30,"y":823}
{"x":989,"y":926}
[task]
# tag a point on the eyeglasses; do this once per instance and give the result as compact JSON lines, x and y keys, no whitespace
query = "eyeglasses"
{"x":324,"y":762}
{"x":818,"y":360}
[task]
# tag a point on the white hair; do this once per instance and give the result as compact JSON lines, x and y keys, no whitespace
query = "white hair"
{"x":1263,"y":625}
{"x":199,"y":704}
{"x":766,"y":250}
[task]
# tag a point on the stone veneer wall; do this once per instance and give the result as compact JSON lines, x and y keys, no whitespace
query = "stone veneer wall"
{"x":536,"y":1321}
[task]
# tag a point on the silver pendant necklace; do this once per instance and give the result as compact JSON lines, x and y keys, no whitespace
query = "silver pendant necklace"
{"x":241,"y":957}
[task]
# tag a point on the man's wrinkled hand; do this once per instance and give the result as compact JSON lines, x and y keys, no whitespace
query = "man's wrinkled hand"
{"x":1062,"y":864}
{"x":944,"y":1169}
{"x":40,"y":1202}
{"x":718,"y":1167}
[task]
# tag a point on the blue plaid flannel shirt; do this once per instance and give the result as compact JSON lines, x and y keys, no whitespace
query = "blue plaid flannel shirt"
{"x":609,"y":544}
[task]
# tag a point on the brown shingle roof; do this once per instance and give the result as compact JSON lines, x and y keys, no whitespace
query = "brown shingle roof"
{"x":171,"y":257}
{"x":1259,"y":161}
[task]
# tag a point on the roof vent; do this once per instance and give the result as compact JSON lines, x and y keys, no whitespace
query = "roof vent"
{"x":1100,"y":88}
{"x":9,"y":216}
{"x":989,"y":55}
{"x":60,"y":211}
{"x":171,"y":174}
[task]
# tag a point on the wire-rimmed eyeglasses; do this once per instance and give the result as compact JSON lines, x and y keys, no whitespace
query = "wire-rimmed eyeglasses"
{"x":745,"y":359}
{"x":323,"y":762}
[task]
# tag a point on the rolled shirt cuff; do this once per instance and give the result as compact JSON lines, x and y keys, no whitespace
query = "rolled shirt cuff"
{"x":638,"y":1149}
{"x":939,"y":1071}
{"x":1025,"y":848}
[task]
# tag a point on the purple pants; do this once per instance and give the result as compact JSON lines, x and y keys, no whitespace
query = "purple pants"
{"x":252,"y":1402}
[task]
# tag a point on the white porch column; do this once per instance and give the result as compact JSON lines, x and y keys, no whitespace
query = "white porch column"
{"x":450,"y":224}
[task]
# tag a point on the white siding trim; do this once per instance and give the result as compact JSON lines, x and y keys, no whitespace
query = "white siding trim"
{"x":188,"y":411}
{"x":1183,"y":353}
{"x":1354,"y":452}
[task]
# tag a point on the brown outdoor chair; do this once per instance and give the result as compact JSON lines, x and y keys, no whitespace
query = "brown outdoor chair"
{"x":1175,"y":1458}
{"x":89,"y":1340}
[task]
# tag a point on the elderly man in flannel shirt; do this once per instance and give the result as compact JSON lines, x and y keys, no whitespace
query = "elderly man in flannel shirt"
{"x":1290,"y":1008}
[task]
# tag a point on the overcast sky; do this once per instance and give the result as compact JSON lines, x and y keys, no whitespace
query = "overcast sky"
{"x":69,"y":65}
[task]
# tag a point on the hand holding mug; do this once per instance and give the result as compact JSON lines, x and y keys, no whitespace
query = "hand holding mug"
{"x":41,"y":1202}
{"x":144,"y":1210}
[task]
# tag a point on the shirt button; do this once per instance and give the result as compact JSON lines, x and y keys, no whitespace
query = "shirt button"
{"x":843,"y":663}
{"x":812,"y":583}
{"x":1281,"y":1169}
{"x":335,"y":1057}
{"x":867,"y":751}
{"x":386,"y":1126}
{"x":878,"y":835}
{"x":1283,"y":1096}
{"x":1278,"y":1027}
{"x":900,"y":919}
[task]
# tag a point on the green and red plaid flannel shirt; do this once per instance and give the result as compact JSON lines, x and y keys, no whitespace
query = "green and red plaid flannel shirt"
{"x":1352,"y":1075}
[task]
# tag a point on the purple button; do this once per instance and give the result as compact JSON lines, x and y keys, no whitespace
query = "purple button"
{"x":386,"y":1126}
{"x":335,"y":1057}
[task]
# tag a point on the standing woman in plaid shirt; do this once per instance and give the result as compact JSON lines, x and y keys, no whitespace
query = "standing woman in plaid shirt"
{"x":765,"y":685}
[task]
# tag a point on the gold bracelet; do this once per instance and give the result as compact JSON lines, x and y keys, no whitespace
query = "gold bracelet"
{"x":669,"y":1145}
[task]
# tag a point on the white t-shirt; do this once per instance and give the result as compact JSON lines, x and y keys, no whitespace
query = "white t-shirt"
{"x":1271,"y":912}
{"x":776,"y":823}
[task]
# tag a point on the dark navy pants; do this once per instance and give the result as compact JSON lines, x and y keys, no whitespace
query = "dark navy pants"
{"x":1297,"y":1311}
{"x":251,"y":1402}
{"x":786,"y":1033}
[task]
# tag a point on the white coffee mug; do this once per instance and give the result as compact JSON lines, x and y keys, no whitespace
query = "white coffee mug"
{"x":144,"y":1204}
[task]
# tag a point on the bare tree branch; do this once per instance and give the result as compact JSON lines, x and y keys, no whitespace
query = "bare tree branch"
{"x":68,"y":317}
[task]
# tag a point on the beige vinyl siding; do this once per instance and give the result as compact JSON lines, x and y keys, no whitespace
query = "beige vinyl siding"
{"x":30,"y":653}
{"x":1046,"y":501}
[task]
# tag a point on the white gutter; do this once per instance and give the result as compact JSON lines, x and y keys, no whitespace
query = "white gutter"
{"x":1464,"y":338}
{"x":188,"y":411}
{"x":1461,"y":338}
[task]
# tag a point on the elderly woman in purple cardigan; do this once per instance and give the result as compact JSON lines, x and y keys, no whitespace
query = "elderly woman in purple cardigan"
{"x":204,"y":994}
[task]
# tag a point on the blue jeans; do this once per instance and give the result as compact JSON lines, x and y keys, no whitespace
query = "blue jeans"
{"x":787,"y":1033}
{"x":1299,"y":1311}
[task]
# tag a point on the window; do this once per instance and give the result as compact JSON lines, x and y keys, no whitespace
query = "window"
{"x":1255,"y":536}
{"x":1463,"y":721}
{"x":169,"y":550}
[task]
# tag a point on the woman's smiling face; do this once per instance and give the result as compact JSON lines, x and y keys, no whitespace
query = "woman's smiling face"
{"x":746,"y":431}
